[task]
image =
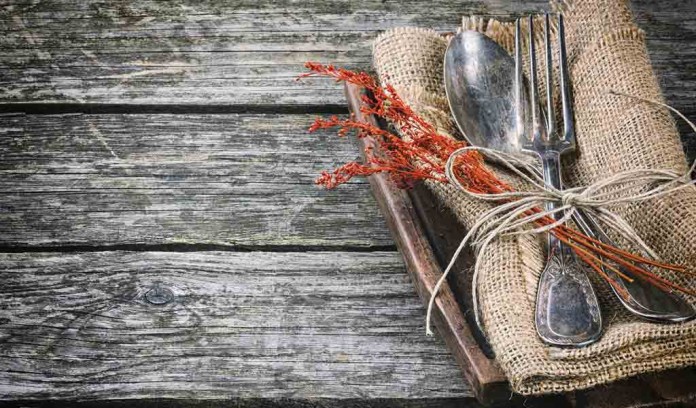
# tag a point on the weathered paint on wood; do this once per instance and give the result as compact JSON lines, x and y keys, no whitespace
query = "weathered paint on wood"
{"x":252,"y":325}
{"x":259,"y":403}
{"x":242,"y":180}
{"x":248,"y":53}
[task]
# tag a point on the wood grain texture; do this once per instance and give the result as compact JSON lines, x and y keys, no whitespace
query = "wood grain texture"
{"x":257,"y":403}
{"x":488,"y":382}
{"x":240,"y":180}
{"x":200,"y":52}
{"x":251,"y":325}
{"x":250,"y":329}
{"x":670,"y":28}
{"x":249,"y":52}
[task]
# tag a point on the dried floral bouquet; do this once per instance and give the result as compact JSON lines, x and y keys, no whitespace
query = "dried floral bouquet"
{"x":422,"y":154}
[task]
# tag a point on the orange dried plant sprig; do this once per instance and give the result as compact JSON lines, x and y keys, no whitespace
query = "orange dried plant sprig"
{"x":421,"y":154}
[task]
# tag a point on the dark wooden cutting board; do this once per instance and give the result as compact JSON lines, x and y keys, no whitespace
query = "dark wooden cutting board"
{"x":427,"y":235}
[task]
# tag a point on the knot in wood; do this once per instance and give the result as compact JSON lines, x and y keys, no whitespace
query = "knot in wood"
{"x":159,"y":295}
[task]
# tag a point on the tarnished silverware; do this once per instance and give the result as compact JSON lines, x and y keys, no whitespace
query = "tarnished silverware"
{"x":567,"y":309}
{"x":480,"y":86}
{"x":639,"y":296}
{"x":479,"y":78}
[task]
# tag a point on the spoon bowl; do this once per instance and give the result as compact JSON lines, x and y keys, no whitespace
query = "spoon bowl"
{"x":480,"y":87}
{"x":479,"y":78}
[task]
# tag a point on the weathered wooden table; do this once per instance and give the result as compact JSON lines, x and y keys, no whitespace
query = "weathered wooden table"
{"x":162,"y":239}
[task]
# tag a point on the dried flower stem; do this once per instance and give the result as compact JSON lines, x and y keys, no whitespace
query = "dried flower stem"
{"x":421,"y":154}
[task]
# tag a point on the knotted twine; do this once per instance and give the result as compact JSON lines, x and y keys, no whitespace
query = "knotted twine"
{"x":606,"y":50}
{"x":509,"y":219}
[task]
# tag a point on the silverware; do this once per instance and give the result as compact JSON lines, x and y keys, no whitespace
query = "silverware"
{"x":567,"y":309}
{"x":491,"y":111}
{"x":639,"y":296}
{"x":480,"y":85}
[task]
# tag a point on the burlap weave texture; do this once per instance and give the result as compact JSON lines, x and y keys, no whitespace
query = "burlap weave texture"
{"x":614,"y":133}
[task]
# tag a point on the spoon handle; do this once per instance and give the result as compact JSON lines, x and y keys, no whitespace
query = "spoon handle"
{"x":638,"y":296}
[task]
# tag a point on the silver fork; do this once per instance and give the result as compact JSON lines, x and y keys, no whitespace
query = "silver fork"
{"x":567,"y":310}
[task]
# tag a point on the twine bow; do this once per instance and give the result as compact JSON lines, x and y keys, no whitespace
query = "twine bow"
{"x":519,"y":209}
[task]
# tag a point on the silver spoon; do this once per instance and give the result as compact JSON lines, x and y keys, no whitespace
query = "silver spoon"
{"x":480,"y":85}
{"x":567,"y":309}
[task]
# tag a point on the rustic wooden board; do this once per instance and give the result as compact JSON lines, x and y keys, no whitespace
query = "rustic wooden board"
{"x":427,"y":235}
{"x":198,"y":52}
{"x":241,"y":180}
{"x":238,"y":325}
{"x":256,"y":403}
{"x":248,"y":52}
{"x":76,"y":325}
{"x":487,"y":379}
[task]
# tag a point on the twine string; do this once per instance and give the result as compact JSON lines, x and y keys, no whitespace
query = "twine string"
{"x":520,"y":209}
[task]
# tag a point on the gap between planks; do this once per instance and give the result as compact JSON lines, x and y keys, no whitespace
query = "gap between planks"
{"x":210,"y":109}
{"x":69,"y":248}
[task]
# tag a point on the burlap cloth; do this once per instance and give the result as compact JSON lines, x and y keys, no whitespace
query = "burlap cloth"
{"x":614,"y":133}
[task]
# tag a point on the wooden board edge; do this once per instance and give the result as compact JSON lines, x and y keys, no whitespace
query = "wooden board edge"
{"x":485,"y":376}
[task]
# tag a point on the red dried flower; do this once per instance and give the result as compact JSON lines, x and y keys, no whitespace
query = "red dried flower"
{"x":421,"y":154}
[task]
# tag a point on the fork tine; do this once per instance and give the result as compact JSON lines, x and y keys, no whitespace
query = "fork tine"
{"x":533,"y":82}
{"x":550,"y":115}
{"x":519,"y":79}
{"x":568,"y":125}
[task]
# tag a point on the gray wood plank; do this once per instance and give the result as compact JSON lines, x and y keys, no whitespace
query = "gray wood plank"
{"x":255,"y":403}
{"x":228,"y":179}
{"x":192,"y":52}
{"x":236,"y":325}
{"x":670,"y":28}
{"x":249,"y":52}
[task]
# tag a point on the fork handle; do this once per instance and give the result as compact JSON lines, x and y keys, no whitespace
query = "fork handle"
{"x":567,"y":310}
{"x":551,"y":168}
